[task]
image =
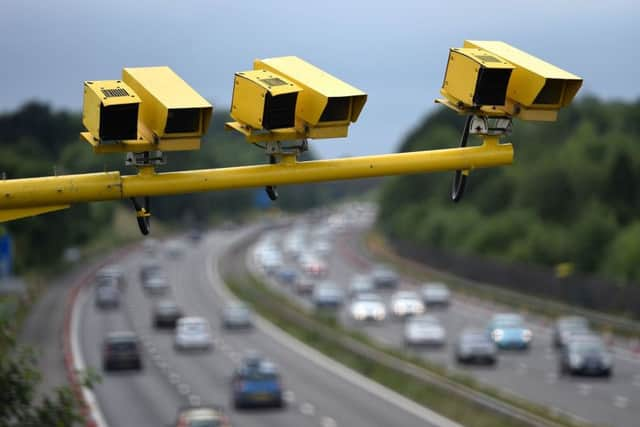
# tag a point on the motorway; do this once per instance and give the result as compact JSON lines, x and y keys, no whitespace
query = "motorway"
{"x":532,"y":374}
{"x":317,"y":392}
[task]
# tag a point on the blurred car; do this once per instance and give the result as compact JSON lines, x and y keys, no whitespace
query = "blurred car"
{"x":157,"y":284}
{"x":424,"y":330}
{"x":237,"y":315}
{"x":367,"y":306}
{"x":567,"y":326}
{"x":148,"y":269}
{"x":384,"y":277}
{"x":286,"y":275}
{"x":270,"y":261}
{"x":256,"y":383}
{"x":586,"y":355}
{"x":192,"y":333}
{"x":360,"y":283}
{"x":166,"y":314}
{"x":314,"y":266}
{"x":435,"y":294}
{"x":473,"y":346}
{"x":507,"y":330}
{"x":111,"y":272}
{"x":107,"y":294}
{"x":208,"y":416}
{"x":195,"y":235}
{"x":304,"y":285}
{"x":406,"y":303}
{"x":120,"y":350}
{"x":327,"y":295}
{"x":175,"y":248}
{"x":321,"y":247}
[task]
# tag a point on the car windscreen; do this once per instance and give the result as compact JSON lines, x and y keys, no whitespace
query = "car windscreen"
{"x":122,"y":346}
{"x":587,"y":347}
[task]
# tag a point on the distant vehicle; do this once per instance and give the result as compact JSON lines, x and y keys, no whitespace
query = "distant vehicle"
{"x":203,"y":416}
{"x":435,"y":294}
{"x":156,"y":284}
{"x":107,"y":294}
{"x":237,"y":315}
{"x":175,"y":248}
{"x":368,"y":307}
{"x":257,"y":383}
{"x":473,"y":346}
{"x":120,"y":350}
{"x":111,"y":272}
{"x":327,"y":295}
{"x":586,"y":355}
{"x":384,"y":277}
{"x":321,"y":248}
{"x":406,"y":303}
{"x":148,"y":269}
{"x":567,"y":326}
{"x":166,"y":314}
{"x":192,"y":333}
{"x":286,"y":275}
{"x":314,"y":266}
{"x":304,"y":285}
{"x":270,"y":261}
{"x":507,"y":331}
{"x":424,"y":330}
{"x":360,"y":283}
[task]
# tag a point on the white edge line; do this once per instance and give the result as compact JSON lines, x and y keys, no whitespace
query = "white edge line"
{"x":79,"y":365}
{"x":331,"y":365}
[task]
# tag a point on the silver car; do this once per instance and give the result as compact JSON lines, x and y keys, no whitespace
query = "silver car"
{"x":435,"y":294}
{"x":474,"y":346}
{"x":156,"y":284}
{"x":360,"y":283}
{"x":406,"y":303}
{"x":424,"y":330}
{"x":368,"y":307}
{"x":192,"y":333}
{"x":327,"y":295}
{"x":237,"y":315}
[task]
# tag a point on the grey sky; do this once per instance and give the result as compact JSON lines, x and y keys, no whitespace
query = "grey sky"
{"x":395,"y":51}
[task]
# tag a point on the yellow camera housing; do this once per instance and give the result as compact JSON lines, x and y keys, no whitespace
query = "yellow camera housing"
{"x":537,"y":89}
{"x":110,"y":111}
{"x":326,"y":106}
{"x":476,"y":79}
{"x":264,"y":100}
{"x":170,"y":111}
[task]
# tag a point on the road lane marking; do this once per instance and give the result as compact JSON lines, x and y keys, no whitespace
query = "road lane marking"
{"x":307,"y":409}
{"x":195,"y":400}
{"x":289,"y":396}
{"x":584,"y":389}
{"x":174,"y":378}
{"x":184,"y":389}
{"x":620,"y":401}
{"x":328,"y":422}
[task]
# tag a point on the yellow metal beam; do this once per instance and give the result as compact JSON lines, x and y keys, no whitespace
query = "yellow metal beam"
{"x":69,"y":189}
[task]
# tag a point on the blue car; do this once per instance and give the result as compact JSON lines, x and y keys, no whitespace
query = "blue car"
{"x":507,"y":331}
{"x":256,"y":383}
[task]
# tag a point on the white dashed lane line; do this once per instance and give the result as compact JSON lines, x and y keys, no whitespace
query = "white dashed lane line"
{"x":584,"y":389}
{"x":328,"y":422}
{"x":289,"y":396}
{"x":620,"y":401}
{"x":307,"y":409}
{"x":184,"y":389}
{"x":174,"y":378}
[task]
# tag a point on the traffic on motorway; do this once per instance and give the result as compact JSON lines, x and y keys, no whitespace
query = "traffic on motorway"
{"x":564,"y":365}
{"x":175,"y":349}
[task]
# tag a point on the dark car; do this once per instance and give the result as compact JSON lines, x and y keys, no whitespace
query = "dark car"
{"x":474,"y":346}
{"x":567,"y":326}
{"x":586,"y":355}
{"x":237,"y":316}
{"x":107,"y":295}
{"x":327,"y":295}
{"x":384,"y":277}
{"x":121,"y":350}
{"x":165,"y":314}
{"x":256,"y":383}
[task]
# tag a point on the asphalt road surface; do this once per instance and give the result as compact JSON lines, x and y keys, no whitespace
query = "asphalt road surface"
{"x":532,"y":374}
{"x":315,"y":394}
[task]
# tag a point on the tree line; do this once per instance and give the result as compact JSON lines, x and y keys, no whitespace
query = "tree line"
{"x":571,"y":196}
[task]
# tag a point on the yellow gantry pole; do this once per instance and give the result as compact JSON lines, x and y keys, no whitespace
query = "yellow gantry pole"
{"x":31,"y":196}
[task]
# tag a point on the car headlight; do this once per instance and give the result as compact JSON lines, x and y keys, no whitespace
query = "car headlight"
{"x":527,"y":335}
{"x":497,"y":334}
{"x":575,"y":360}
